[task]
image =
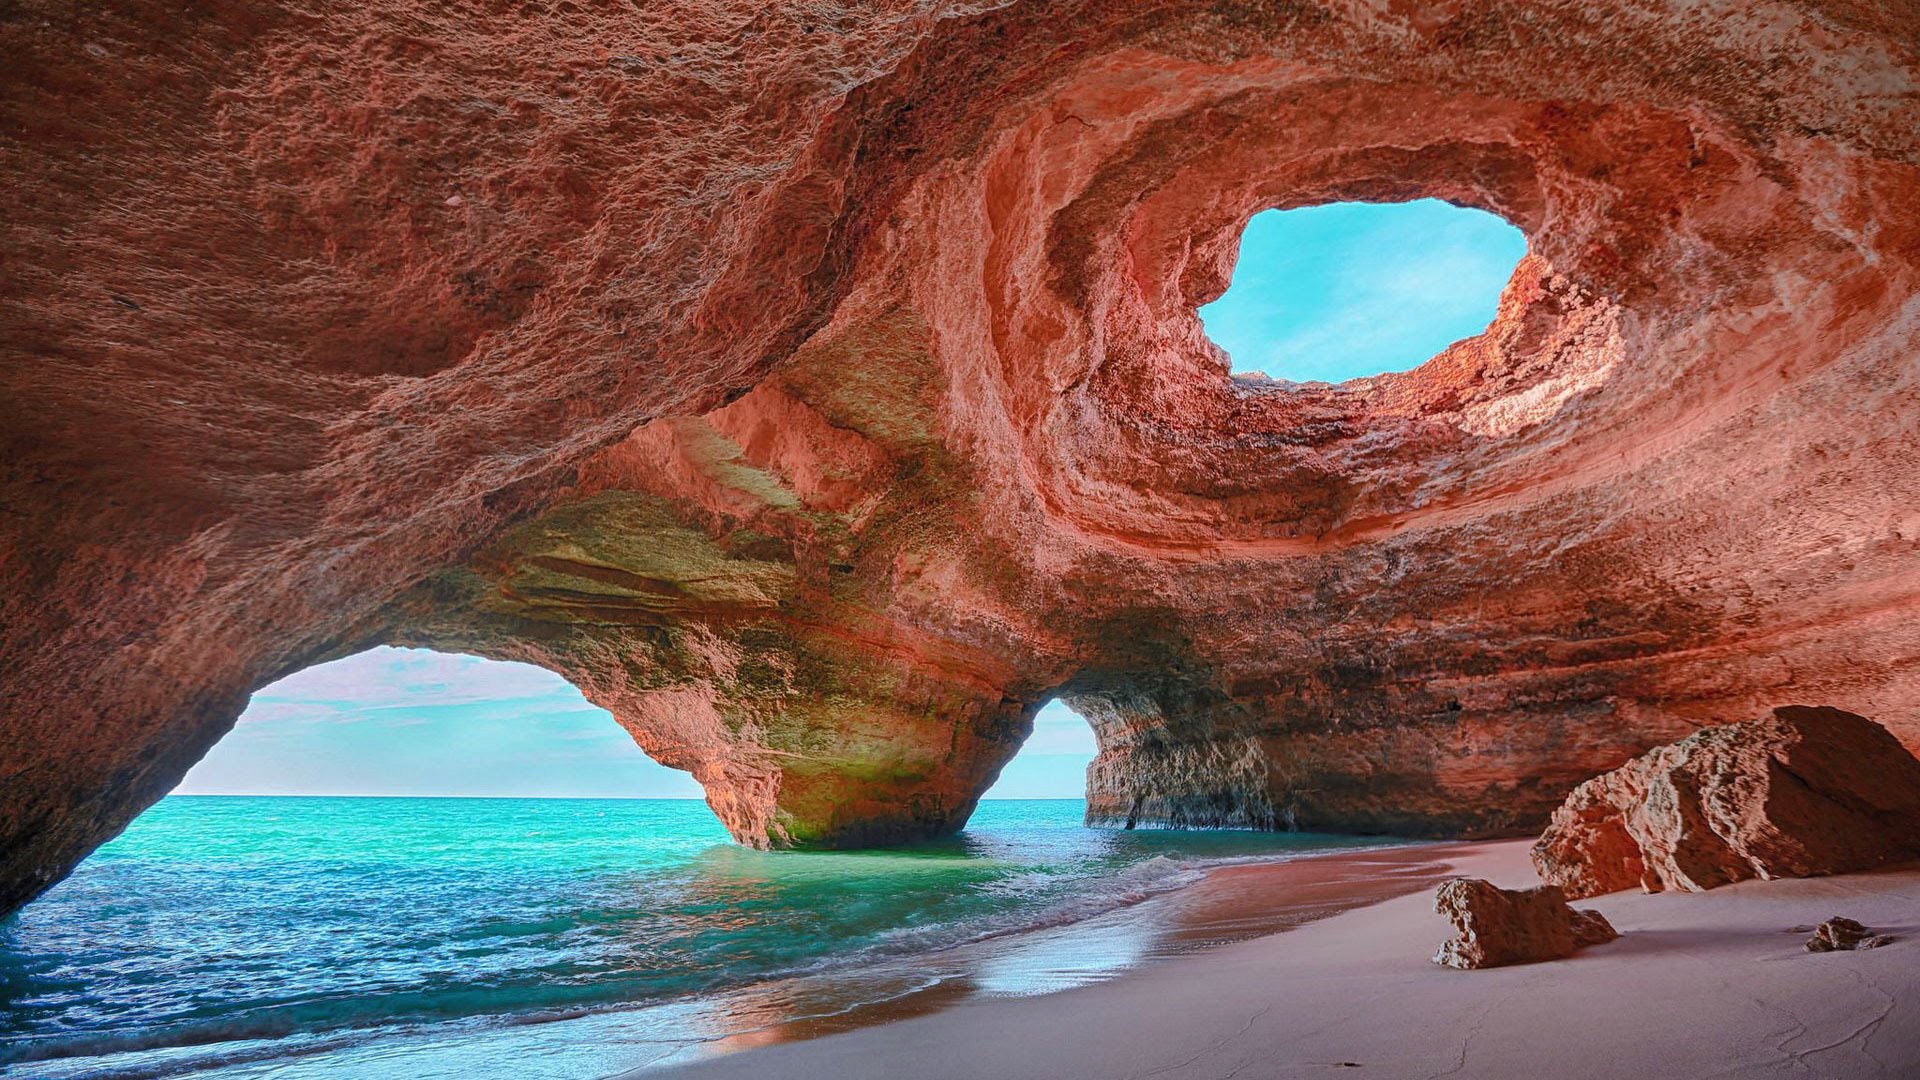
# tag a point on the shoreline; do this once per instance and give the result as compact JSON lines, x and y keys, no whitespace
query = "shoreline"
{"x":1702,"y":984}
{"x":1160,"y":907}
{"x":1285,"y":967}
{"x":1231,"y":902}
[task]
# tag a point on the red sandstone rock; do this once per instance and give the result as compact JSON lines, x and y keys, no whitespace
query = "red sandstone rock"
{"x":1591,"y":928}
{"x":819,"y":387}
{"x":1494,"y":927}
{"x":1800,"y":792}
{"x":1842,"y":934}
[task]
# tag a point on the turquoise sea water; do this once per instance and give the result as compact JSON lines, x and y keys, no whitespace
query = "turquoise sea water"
{"x":343,"y":934}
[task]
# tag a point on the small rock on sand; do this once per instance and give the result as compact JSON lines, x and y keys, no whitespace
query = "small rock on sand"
{"x":1495,"y":926}
{"x":1840,"y":934}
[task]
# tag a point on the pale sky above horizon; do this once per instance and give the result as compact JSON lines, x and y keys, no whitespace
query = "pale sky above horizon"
{"x":1340,"y":291}
{"x":415,"y":722}
{"x":1329,"y":292}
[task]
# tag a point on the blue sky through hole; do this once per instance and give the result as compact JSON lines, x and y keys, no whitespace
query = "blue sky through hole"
{"x":1345,"y":290}
{"x":415,"y":722}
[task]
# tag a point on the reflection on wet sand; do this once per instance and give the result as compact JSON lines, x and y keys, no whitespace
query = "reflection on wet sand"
{"x":823,"y":1011}
{"x":1232,"y":903}
{"x":1239,"y":902}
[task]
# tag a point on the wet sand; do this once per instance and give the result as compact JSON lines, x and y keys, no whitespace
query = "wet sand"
{"x":1233,"y":903}
{"x":1699,"y":985}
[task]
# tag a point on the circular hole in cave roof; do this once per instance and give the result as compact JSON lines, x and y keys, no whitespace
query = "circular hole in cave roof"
{"x":1345,"y":290}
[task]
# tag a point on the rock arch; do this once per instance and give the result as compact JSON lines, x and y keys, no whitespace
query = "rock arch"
{"x":822,"y":390}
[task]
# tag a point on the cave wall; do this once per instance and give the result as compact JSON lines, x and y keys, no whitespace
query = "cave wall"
{"x":819,"y":389}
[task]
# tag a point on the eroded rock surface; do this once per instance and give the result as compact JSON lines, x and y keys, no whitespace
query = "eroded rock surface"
{"x":1591,"y":928}
{"x":1841,"y":934}
{"x":1494,"y":927}
{"x":819,"y":387}
{"x":1799,"y":792}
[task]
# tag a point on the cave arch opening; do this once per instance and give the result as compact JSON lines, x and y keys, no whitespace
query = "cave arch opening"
{"x":1346,"y":290}
{"x":1052,"y":762}
{"x":413,"y":722}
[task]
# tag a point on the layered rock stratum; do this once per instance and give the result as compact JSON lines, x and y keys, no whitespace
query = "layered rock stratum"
{"x":819,"y":388}
{"x":1799,"y":792}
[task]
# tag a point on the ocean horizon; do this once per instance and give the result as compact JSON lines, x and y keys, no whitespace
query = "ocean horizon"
{"x":563,"y":798}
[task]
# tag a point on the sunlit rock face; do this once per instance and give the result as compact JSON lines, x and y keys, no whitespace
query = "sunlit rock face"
{"x":1494,"y":927}
{"x":1797,"y":793}
{"x":820,"y":389}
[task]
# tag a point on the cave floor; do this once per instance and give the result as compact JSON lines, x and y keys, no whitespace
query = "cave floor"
{"x":1712,"y":984}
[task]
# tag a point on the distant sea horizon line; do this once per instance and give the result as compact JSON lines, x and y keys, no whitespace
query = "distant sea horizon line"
{"x":593,"y":798}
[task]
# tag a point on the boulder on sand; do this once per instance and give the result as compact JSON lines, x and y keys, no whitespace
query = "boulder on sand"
{"x":1800,"y":792}
{"x":1840,"y":934}
{"x":1495,"y":926}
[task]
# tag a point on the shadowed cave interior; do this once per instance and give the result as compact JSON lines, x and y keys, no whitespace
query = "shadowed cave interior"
{"x":1347,"y":290}
{"x":822,"y":456}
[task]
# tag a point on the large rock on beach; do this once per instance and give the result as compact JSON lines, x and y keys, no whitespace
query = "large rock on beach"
{"x":1799,"y":792}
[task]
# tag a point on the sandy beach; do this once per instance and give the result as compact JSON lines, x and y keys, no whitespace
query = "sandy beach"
{"x":1699,"y":985}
